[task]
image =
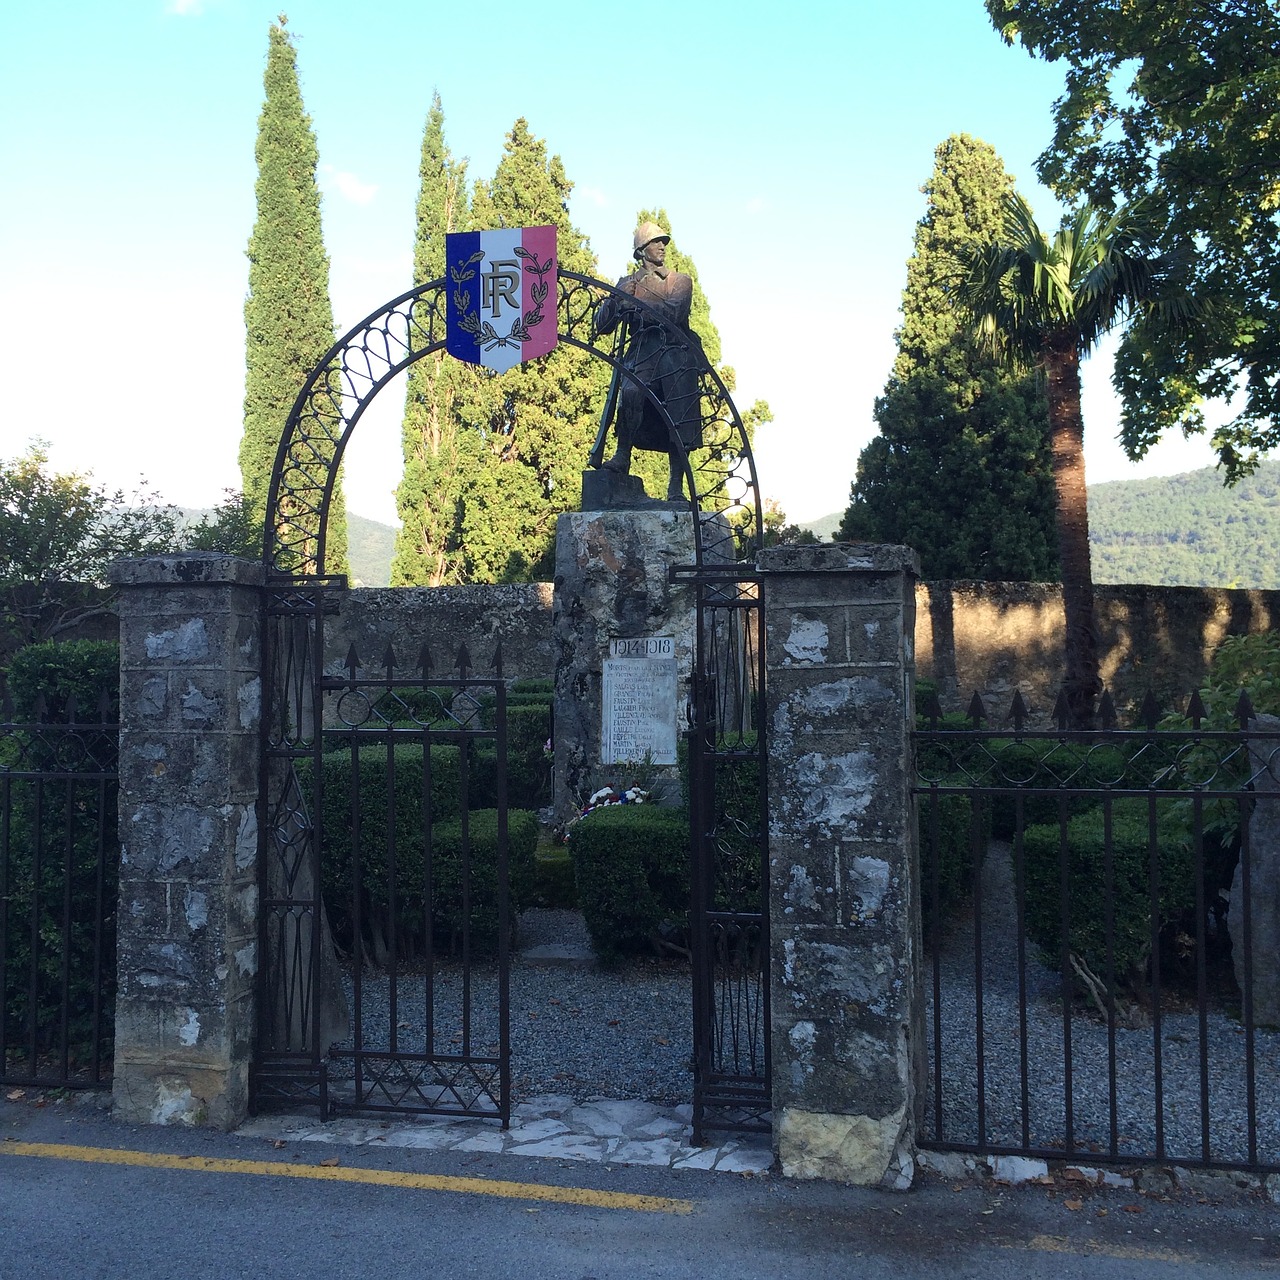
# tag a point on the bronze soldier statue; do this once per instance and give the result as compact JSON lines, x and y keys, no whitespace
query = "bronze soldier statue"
{"x":668,"y":367}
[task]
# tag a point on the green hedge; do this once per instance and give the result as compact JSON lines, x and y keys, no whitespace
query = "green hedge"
{"x":58,"y":669}
{"x":1087,"y":880}
{"x":553,"y":883}
{"x":952,"y":855}
{"x":70,"y":834}
{"x":631,"y":864}
{"x":75,"y":817}
{"x":410,"y":827}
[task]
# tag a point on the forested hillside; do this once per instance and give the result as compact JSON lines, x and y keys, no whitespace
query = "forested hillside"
{"x":1188,"y":530}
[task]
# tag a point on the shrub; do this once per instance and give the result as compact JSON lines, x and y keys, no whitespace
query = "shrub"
{"x":410,"y":850}
{"x":951,"y":856}
{"x":1087,"y":881}
{"x":59,"y":669}
{"x":57,"y":890}
{"x":447,"y":917}
{"x":553,"y":883}
{"x":631,"y":864}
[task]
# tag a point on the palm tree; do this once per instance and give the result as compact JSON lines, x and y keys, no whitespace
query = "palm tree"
{"x":1044,"y":303}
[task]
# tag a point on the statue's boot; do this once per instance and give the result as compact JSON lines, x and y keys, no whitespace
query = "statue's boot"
{"x":621,"y":460}
{"x":675,"y":484}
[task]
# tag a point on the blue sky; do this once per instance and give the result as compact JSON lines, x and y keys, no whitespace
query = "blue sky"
{"x":787,"y":142}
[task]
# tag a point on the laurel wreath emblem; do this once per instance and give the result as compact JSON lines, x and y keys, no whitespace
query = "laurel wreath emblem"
{"x":485,"y":334}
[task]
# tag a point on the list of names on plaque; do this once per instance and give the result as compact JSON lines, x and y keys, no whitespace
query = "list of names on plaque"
{"x":639,"y":701}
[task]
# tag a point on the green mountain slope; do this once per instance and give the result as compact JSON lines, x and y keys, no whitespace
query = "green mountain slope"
{"x":1188,"y":530}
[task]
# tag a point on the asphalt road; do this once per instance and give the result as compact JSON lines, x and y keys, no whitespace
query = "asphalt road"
{"x":81,"y":1196}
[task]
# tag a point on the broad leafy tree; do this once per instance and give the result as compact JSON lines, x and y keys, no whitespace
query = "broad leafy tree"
{"x":428,"y":544}
{"x":1043,"y":302}
{"x":288,"y":317}
{"x":960,"y":468}
{"x":1172,"y":103}
{"x":58,"y":533}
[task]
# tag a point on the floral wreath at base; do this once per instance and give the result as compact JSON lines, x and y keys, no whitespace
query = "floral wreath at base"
{"x":604,"y":798}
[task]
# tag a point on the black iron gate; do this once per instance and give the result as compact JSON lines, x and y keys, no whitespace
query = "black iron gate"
{"x":1102,"y":982}
{"x":729,"y":820}
{"x":59,"y":867}
{"x":384,"y":898}
{"x":304,"y":1044}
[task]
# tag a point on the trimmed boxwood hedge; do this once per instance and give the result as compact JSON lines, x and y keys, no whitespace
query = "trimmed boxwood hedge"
{"x":410,"y":826}
{"x":1087,"y":881}
{"x":631,"y":863}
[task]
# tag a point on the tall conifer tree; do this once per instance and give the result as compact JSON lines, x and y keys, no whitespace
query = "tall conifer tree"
{"x":288,"y":316}
{"x":428,"y":551}
{"x":961,"y":468}
{"x":528,"y":432}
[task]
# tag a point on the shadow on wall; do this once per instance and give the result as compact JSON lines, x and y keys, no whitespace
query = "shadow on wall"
{"x":997,"y":637}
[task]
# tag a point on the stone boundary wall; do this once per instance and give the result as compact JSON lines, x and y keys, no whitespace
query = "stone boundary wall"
{"x":984,"y":637}
{"x":443,"y":618}
{"x":994,"y":637}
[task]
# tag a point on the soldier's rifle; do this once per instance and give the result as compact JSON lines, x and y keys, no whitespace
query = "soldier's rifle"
{"x":596,"y":457}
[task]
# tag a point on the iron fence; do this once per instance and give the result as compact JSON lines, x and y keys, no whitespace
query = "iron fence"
{"x":59,"y":868}
{"x":1104,"y":975}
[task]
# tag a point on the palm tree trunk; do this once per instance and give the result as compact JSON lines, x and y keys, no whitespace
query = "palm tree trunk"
{"x":1066,"y":436}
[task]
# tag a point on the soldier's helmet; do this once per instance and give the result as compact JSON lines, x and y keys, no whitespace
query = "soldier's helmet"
{"x":647,"y":233}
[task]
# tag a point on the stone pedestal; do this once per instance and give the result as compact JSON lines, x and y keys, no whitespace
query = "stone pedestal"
{"x":611,"y":585}
{"x":847,"y":1028}
{"x":190,"y":695}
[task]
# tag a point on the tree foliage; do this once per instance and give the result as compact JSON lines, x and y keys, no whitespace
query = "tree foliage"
{"x":1045,"y":301}
{"x":288,"y":317}
{"x":58,"y":533}
{"x":428,"y":544}
{"x":526,"y":433}
{"x":960,"y":468}
{"x":1174,"y":103}
{"x":1187,"y":530}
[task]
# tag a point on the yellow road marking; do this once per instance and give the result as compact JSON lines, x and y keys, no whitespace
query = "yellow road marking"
{"x":336,"y":1173}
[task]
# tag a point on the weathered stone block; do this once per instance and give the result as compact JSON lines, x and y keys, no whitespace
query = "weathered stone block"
{"x":188,"y":899}
{"x":857,"y":1149}
{"x":612,"y":583}
{"x":847,"y":1028}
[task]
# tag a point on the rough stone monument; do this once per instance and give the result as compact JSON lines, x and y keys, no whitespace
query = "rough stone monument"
{"x":623,"y":636}
{"x":623,"y":633}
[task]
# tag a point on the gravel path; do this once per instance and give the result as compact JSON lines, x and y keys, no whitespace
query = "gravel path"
{"x":576,"y":1031}
{"x":589,"y":1033}
{"x":1135,"y":1057}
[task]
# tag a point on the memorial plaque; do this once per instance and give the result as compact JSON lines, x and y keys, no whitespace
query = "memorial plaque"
{"x":639,"y":703}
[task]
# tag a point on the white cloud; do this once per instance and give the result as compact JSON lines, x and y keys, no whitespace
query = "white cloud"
{"x":185,"y":8}
{"x":756,"y":204}
{"x":593,"y":195}
{"x":345,"y":184}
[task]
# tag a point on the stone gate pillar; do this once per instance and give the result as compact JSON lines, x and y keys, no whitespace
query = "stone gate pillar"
{"x":190,"y":695}
{"x":847,"y":1008}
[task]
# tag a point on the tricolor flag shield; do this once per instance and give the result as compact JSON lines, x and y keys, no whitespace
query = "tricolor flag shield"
{"x":501,"y":307}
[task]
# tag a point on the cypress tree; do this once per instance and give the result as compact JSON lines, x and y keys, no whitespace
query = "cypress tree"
{"x":527,"y":432}
{"x":288,"y":316}
{"x":960,"y":470}
{"x":428,"y":550}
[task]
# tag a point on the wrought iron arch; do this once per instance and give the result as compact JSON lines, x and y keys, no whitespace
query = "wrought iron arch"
{"x":720,"y":477}
{"x":727,"y":750}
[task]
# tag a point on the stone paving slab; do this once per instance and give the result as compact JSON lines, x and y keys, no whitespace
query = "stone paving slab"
{"x":601,"y":1131}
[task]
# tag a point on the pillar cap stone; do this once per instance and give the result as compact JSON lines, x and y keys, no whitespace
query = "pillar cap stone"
{"x":839,"y":557}
{"x":187,"y":569}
